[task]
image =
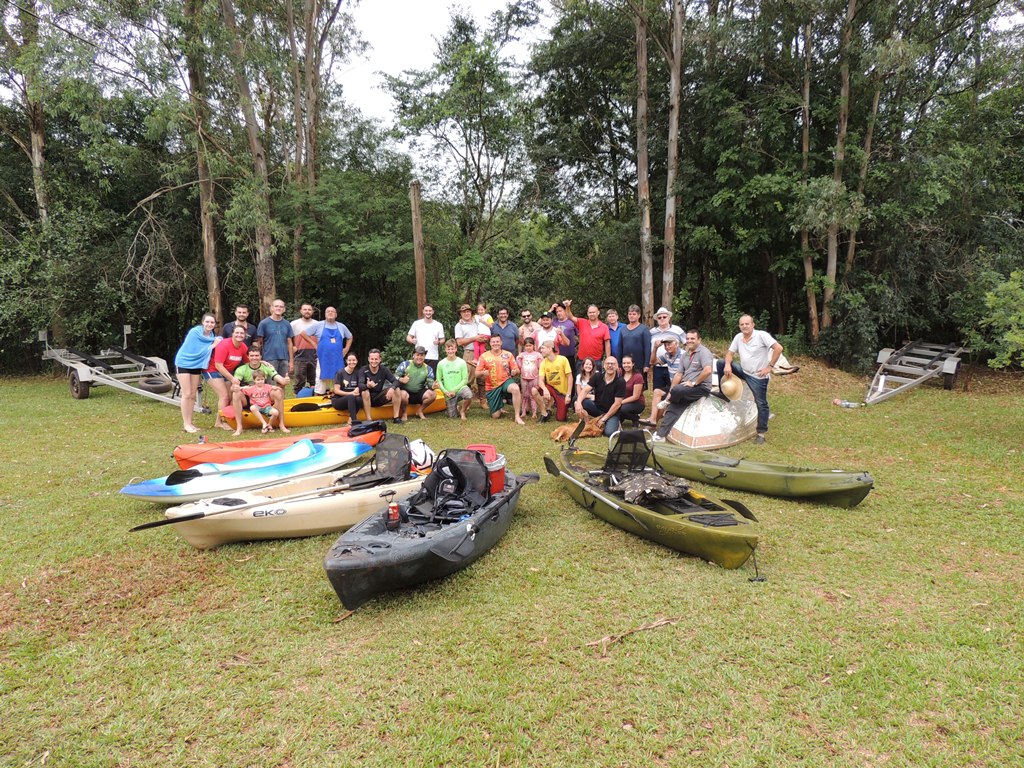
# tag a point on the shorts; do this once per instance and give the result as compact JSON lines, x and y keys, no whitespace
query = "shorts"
{"x":266,"y":410}
{"x":207,"y":375}
{"x":188,"y":371}
{"x":662,"y":380}
{"x":496,"y":396}
{"x":416,"y":398}
{"x":469,"y":354}
{"x":380,"y":398}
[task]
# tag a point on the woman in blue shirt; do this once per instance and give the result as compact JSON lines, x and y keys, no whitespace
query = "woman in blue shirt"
{"x":189,"y":363}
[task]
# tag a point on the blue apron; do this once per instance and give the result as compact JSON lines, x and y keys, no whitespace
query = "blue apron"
{"x":329,"y":352}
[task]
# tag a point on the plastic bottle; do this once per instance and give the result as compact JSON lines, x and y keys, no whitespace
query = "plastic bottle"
{"x":846,"y":403}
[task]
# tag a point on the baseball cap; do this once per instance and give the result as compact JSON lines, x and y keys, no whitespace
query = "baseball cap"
{"x":420,"y":350}
{"x":546,"y":314}
{"x":464,"y":307}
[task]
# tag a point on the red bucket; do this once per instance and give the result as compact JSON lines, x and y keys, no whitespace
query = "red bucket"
{"x":495,"y":466}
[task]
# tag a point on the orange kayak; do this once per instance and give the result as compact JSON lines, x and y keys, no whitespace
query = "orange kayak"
{"x":189,"y":455}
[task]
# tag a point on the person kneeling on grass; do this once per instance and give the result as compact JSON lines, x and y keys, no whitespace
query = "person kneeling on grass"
{"x":497,"y":367}
{"x":259,"y":394}
{"x":416,"y":380}
{"x":453,"y":378}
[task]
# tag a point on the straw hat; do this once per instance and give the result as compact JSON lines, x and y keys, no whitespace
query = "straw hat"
{"x":731,"y":387}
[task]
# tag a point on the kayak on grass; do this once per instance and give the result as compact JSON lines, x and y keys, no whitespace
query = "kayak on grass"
{"x":190,"y":454}
{"x":206,"y":480}
{"x":620,"y":488}
{"x":325,"y":503}
{"x":464,"y":507}
{"x":827,"y":486}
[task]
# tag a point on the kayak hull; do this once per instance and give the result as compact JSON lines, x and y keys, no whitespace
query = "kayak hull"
{"x":368,"y":560}
{"x":678,"y":527}
{"x":312,"y":506}
{"x":825,"y":486}
{"x":190,"y":454}
{"x":209,"y":480}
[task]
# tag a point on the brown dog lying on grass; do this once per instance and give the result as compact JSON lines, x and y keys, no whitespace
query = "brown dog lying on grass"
{"x":592,"y":429}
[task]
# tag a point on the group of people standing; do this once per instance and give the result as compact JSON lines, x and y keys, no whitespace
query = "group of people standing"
{"x":542,"y":367}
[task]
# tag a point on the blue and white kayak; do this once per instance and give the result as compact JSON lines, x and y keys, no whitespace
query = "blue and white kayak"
{"x":206,"y":480}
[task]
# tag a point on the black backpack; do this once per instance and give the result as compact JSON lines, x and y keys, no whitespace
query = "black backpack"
{"x":458,"y":485}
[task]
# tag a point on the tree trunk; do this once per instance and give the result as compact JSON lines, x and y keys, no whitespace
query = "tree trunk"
{"x":805,"y":237}
{"x":832,"y":255}
{"x":264,"y":257}
{"x":418,"y":256}
{"x":851,"y":246}
{"x":299,"y":158}
{"x":642,"y":172}
{"x":672,"y":163}
{"x":197,"y":96}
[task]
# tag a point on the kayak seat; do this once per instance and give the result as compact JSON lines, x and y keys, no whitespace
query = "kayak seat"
{"x":629,"y":454}
{"x":392,"y":461}
{"x":457,"y":486}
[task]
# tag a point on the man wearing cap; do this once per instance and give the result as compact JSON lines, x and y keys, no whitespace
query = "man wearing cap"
{"x":427,"y":333}
{"x":416,"y":380}
{"x":694,"y":383}
{"x":672,"y":362}
{"x":567,"y":326}
{"x":549,"y":332}
{"x":662,"y":330}
{"x":758,"y":352}
{"x":469,"y":332}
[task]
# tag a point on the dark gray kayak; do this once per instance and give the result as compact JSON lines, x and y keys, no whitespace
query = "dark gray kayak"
{"x":450,"y":523}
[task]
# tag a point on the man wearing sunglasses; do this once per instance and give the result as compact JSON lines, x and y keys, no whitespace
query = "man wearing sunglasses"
{"x":528,"y":327}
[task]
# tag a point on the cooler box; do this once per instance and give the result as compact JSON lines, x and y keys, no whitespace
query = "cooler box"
{"x":495,"y":465}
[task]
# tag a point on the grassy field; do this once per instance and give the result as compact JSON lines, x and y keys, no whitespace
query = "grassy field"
{"x":890,"y":634}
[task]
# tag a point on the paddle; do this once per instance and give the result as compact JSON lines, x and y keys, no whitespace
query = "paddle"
{"x":304,"y":407}
{"x":553,"y":469}
{"x":368,"y":483}
{"x":576,"y":432}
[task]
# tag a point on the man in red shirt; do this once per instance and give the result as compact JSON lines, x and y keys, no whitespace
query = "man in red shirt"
{"x":595,"y":339}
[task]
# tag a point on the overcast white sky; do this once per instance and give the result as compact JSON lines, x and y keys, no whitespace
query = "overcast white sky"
{"x":403,"y":35}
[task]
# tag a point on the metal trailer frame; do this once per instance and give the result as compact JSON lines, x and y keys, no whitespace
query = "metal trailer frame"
{"x":910,"y":366}
{"x":119,"y":368}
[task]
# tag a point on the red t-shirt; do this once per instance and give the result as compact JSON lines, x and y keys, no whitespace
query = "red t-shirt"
{"x":228,"y":355}
{"x":591,"y":339}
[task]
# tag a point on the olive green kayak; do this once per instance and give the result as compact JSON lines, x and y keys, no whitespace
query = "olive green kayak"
{"x":826,"y":486}
{"x":721,"y":532}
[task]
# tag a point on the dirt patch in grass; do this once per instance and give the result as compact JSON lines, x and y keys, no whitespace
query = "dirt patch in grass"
{"x":112,"y":594}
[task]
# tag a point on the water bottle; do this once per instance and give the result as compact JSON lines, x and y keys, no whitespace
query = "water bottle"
{"x":846,"y":403}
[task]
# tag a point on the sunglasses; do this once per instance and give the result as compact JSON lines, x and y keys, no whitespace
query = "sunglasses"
{"x":527,"y":315}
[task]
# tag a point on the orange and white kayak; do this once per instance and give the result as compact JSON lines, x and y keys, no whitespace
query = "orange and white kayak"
{"x":190,"y":454}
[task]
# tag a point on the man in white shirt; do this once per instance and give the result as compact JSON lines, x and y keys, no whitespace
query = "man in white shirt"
{"x":758,"y":353}
{"x":427,"y":333}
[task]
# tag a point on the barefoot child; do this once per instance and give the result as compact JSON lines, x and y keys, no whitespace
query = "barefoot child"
{"x":259,"y":400}
{"x":529,"y":361}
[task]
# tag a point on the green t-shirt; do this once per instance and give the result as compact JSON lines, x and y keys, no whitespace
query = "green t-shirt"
{"x":452,"y":375}
{"x":244,"y":373}
{"x":421,"y":377}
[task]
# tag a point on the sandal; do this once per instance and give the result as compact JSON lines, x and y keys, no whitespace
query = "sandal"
{"x":267,"y":428}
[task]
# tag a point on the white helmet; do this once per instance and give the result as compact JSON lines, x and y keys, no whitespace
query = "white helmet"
{"x":422,"y":455}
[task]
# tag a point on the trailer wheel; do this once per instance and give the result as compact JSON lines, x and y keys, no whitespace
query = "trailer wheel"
{"x":947,"y":380}
{"x":155,"y":384}
{"x":79,"y":388}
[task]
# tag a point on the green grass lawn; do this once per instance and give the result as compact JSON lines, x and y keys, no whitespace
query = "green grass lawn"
{"x":889,"y":634}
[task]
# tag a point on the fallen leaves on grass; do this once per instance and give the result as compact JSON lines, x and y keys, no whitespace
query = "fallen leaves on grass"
{"x":608,"y":640}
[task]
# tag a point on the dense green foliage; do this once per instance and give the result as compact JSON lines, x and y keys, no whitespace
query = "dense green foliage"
{"x":529,"y":170}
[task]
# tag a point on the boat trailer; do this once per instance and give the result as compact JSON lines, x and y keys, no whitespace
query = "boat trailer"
{"x":911,"y":365}
{"x":117,"y":367}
